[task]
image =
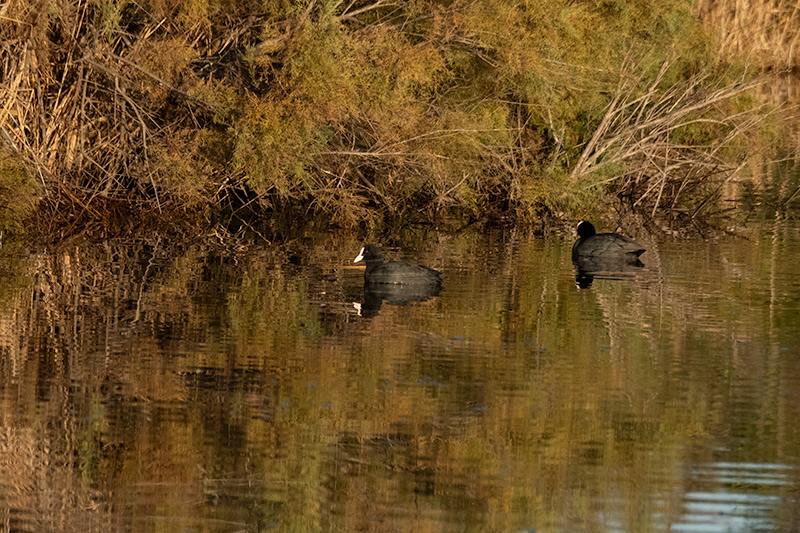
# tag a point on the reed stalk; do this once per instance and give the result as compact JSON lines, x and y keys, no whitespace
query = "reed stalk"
{"x":353,"y":110}
{"x":643,"y":133}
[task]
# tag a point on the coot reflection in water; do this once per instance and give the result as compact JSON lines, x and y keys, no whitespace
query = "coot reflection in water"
{"x":396,"y":283}
{"x":589,"y":268}
{"x":603,"y":255}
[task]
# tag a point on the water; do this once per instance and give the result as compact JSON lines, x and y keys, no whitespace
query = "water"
{"x":149,"y":386}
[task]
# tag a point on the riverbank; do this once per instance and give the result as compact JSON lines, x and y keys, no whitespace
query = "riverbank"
{"x":366,"y":113}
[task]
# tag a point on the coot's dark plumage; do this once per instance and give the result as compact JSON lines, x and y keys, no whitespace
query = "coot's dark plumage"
{"x":604,"y":245}
{"x":396,"y":272}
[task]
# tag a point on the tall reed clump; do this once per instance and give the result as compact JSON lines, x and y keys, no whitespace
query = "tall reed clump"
{"x":669,"y":146}
{"x":356,"y":111}
{"x":95,"y":104}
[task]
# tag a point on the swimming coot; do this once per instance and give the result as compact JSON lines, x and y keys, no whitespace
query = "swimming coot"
{"x":396,"y":272}
{"x":604,"y":245}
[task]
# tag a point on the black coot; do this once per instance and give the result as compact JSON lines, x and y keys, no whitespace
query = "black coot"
{"x":397,"y":272}
{"x":608,"y":247}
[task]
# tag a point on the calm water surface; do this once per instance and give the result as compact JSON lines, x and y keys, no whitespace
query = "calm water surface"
{"x":255,"y":387}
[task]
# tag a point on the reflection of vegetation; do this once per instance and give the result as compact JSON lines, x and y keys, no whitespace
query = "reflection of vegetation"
{"x":360,"y":110}
{"x":778,"y":187}
{"x":201,"y":385}
{"x":14,"y":263}
{"x":765,"y":30}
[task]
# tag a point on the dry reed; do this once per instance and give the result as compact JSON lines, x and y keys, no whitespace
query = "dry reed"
{"x":81,"y":110}
{"x":119,"y":107}
{"x":648,"y":138}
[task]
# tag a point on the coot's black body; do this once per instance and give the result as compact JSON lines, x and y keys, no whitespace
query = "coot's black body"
{"x":402,"y":273}
{"x":610,"y":247}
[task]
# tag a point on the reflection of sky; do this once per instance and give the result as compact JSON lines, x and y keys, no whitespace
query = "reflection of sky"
{"x":747,"y":509}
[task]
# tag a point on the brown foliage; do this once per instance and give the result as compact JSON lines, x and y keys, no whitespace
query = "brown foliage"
{"x":351,"y":110}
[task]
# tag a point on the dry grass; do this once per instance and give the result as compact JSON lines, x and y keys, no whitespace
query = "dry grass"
{"x":663,"y":143}
{"x":352,"y":111}
{"x":87,"y":110}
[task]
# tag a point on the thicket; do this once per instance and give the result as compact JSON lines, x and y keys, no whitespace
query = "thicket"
{"x":363,"y":111}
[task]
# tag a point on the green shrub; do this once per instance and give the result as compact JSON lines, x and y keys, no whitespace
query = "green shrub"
{"x":18,"y":196}
{"x":349,"y":110}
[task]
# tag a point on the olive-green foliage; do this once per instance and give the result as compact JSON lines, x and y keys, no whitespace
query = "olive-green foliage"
{"x":17,"y":195}
{"x":357,"y":109}
{"x":430,"y":105}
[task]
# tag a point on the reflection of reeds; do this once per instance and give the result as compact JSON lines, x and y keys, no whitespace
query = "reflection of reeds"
{"x":188,"y":375}
{"x":41,"y":492}
{"x":766,"y":31}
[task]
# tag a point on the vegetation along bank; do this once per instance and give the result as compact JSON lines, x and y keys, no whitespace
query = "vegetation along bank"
{"x":367,"y":111}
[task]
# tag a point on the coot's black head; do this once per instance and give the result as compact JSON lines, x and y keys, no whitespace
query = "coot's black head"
{"x":369,"y":252}
{"x":585,"y":229}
